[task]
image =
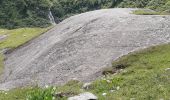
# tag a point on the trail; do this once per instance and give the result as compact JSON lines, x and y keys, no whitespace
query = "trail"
{"x":81,"y":46}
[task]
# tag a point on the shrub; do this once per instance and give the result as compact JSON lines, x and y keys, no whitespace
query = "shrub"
{"x":41,"y":94}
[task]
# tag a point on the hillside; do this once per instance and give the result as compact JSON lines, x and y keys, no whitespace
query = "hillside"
{"x":57,"y":49}
{"x":80,"y":49}
{"x":35,"y":13}
{"x":145,"y":77}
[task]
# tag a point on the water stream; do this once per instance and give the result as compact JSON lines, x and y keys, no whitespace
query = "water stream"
{"x":50,"y":16}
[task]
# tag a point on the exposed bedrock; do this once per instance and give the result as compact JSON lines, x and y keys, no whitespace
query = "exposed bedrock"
{"x":82,"y":45}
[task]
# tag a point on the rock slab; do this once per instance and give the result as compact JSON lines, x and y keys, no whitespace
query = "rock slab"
{"x":81,"y":46}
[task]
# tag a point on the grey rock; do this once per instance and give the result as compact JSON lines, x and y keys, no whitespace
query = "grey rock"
{"x":2,"y":37}
{"x":167,"y":69}
{"x":81,"y":46}
{"x":86,"y":86}
{"x":84,"y":96}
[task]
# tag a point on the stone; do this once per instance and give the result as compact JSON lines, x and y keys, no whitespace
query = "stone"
{"x":167,"y":69}
{"x":132,"y":99}
{"x":2,"y":37}
{"x":104,"y":94}
{"x":84,"y":96}
{"x":86,"y":86}
{"x":108,"y":81}
{"x":118,"y":88}
{"x":112,"y":90}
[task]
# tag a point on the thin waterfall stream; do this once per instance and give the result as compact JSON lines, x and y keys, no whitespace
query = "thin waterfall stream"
{"x":50,"y":16}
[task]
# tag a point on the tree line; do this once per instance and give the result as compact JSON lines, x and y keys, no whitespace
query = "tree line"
{"x":34,"y":13}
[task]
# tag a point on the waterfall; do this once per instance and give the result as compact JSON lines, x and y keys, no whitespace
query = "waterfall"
{"x":50,"y":16}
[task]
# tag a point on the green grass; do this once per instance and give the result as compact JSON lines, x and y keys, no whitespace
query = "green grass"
{"x":144,"y":12}
{"x":35,"y":93}
{"x":145,"y":77}
{"x":149,"y":12}
{"x":15,"y":94}
{"x":16,"y":38}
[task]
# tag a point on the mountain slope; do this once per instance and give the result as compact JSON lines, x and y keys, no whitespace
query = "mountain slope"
{"x":80,"y":49}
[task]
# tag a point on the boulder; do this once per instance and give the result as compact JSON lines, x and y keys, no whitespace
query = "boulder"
{"x":84,"y":96}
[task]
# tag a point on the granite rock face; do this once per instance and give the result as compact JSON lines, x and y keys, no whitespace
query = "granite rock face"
{"x":82,"y":45}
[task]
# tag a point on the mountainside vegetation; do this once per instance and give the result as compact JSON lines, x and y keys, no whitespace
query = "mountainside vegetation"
{"x":34,"y":13}
{"x":160,"y":6}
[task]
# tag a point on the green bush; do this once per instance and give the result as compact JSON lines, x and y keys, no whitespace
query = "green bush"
{"x":29,"y":13}
{"x":167,"y":7}
{"x":134,"y":3}
{"x":22,"y":13}
{"x":41,"y":94}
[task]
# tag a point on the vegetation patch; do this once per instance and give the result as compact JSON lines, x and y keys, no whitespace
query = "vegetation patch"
{"x":72,"y":88}
{"x":145,"y":12}
{"x":146,"y":76}
{"x":149,"y":12}
{"x":20,"y":36}
{"x":34,"y":13}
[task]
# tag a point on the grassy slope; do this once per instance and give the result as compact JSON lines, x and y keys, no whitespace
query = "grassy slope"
{"x":17,"y":37}
{"x":20,"y":36}
{"x":144,"y":78}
